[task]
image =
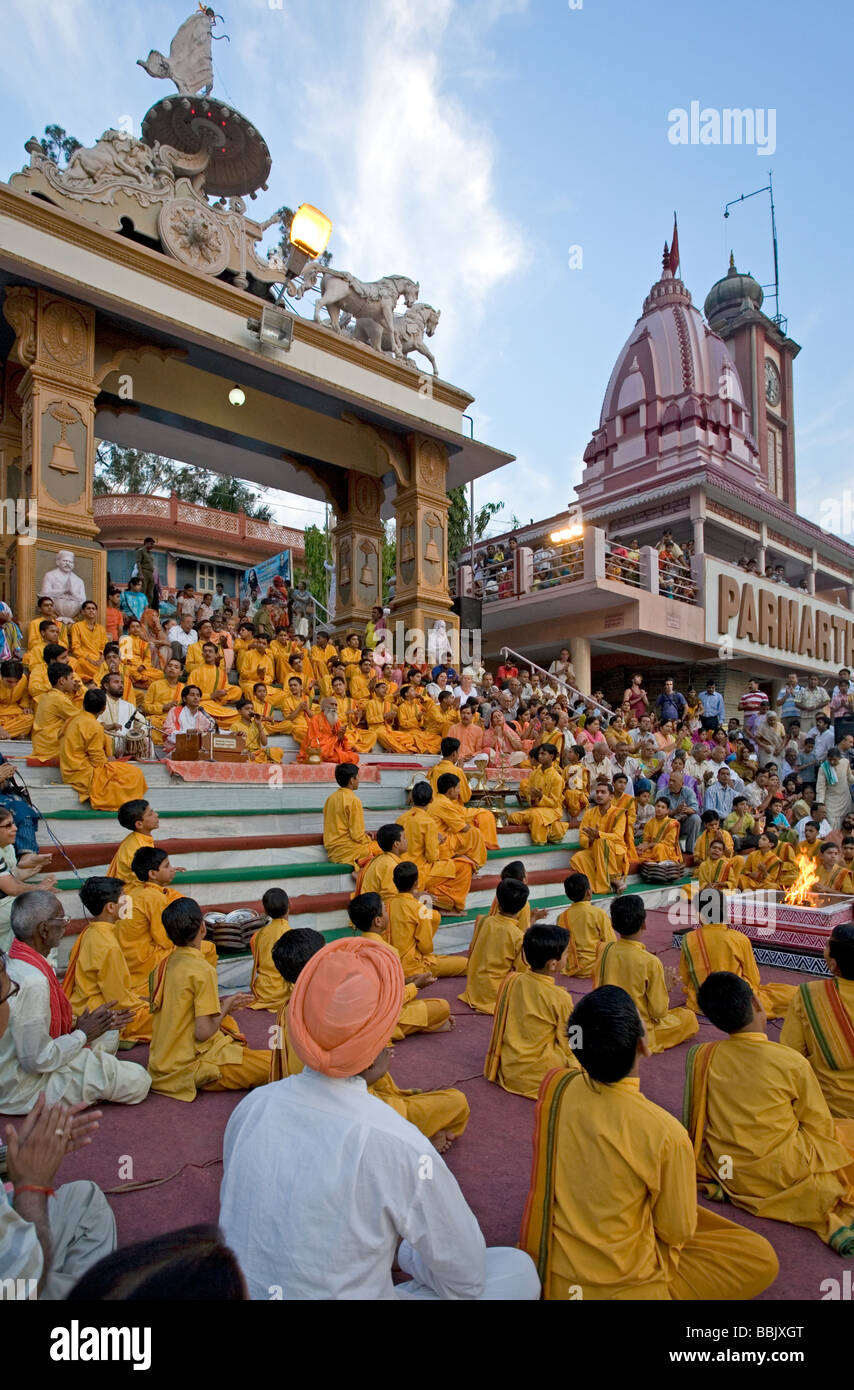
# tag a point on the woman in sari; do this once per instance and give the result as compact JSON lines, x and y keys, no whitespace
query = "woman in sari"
{"x":665,"y":737}
{"x":501,"y":743}
{"x":590,"y":734}
{"x":617,"y":735}
{"x":11,"y":637}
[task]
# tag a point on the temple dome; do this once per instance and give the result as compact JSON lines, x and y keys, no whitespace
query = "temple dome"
{"x":674,"y":406}
{"x":733,"y":294}
{"x":676,"y":352}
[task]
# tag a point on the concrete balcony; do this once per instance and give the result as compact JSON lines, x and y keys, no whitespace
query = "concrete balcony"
{"x":124,"y":517}
{"x":588,"y":588}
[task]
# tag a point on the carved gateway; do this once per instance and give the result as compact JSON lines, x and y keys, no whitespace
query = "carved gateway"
{"x":182,"y":186}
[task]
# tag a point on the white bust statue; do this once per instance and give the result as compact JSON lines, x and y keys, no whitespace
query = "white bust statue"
{"x":64,"y":586}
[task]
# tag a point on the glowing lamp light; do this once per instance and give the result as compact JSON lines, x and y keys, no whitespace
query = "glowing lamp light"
{"x":237,"y":396}
{"x":310,"y":230}
{"x":569,"y":533}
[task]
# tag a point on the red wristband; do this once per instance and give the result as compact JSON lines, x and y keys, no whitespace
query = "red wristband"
{"x":31,"y":1187}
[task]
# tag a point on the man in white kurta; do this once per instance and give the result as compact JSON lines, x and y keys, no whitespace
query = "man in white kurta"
{"x":322,"y":1180}
{"x":71,"y":1067}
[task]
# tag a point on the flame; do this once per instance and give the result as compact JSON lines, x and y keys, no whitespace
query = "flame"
{"x":804,"y":883}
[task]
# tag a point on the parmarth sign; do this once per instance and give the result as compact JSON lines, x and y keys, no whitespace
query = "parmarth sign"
{"x":769,"y":620}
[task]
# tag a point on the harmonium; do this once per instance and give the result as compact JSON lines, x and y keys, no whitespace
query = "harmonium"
{"x":212,"y":747}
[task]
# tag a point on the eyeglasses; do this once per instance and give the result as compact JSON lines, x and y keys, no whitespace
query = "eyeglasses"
{"x":14,"y":988}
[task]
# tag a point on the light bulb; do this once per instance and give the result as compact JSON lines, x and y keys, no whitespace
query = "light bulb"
{"x":237,"y":396}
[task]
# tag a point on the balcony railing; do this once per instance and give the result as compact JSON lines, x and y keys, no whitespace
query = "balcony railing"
{"x":522,"y":572}
{"x":171,"y":511}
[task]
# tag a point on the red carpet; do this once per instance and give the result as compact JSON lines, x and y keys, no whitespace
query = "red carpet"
{"x":491,"y":1161}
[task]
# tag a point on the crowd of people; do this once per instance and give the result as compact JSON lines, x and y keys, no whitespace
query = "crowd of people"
{"x":671,"y":779}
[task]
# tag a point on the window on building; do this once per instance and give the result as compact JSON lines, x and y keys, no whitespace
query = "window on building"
{"x":775,"y":463}
{"x":205,"y":578}
{"x":632,"y":422}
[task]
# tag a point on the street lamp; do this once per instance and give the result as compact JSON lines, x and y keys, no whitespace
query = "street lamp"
{"x":309,"y":237}
{"x":237,"y":396}
{"x":568,"y":533}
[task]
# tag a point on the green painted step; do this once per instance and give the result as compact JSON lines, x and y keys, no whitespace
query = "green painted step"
{"x":639,"y":887}
{"x":66,"y":885}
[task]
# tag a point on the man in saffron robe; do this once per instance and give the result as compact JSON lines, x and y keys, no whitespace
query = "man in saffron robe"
{"x":543,"y":793}
{"x":86,"y":764}
{"x":612,"y":1209}
{"x":97,"y":972}
{"x":344,"y":836}
{"x":602,"y":833}
{"x":660,"y":836}
{"x":496,"y":947}
{"x":713,"y":946}
{"x":626,"y":962}
{"x":218,"y":697}
{"x":327,"y":734}
{"x":412,"y":927}
{"x":529,"y":1031}
{"x":447,"y":880}
{"x":762,"y":1133}
{"x":820,"y":1023}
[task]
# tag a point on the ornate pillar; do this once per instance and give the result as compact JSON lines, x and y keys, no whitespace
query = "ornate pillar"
{"x":421,"y":510}
{"x":13,"y":503}
{"x":358,"y":539}
{"x":55,"y":345}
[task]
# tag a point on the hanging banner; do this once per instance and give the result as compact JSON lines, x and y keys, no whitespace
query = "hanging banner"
{"x":258,"y":580}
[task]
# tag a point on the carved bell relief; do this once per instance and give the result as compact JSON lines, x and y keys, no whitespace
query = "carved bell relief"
{"x":344,"y":565}
{"x":368,"y":569}
{"x":62,"y":455}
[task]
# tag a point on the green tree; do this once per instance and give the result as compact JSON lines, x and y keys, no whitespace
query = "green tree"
{"x":459,"y":526}
{"x":133,"y":471}
{"x":313,"y":568}
{"x":57,"y":145}
{"x":389,"y":557}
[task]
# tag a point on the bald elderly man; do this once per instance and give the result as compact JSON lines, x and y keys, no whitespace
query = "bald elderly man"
{"x":324,"y":1186}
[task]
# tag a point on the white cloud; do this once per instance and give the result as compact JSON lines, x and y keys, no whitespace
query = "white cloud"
{"x":414,"y":170}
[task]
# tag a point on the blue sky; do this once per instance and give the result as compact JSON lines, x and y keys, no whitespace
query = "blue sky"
{"x":471,"y":143}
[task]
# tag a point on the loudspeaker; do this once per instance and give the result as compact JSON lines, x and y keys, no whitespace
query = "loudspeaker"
{"x":469,"y":611}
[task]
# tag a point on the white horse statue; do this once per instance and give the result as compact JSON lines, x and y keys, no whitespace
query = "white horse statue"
{"x":418,"y":322}
{"x":376,"y":300}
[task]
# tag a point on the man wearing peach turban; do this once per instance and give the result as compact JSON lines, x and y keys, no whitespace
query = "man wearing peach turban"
{"x":324,"y":1187}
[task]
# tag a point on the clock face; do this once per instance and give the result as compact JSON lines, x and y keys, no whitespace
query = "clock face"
{"x":772,"y":383}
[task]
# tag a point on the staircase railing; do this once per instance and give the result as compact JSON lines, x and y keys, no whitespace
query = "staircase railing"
{"x":559,"y":680}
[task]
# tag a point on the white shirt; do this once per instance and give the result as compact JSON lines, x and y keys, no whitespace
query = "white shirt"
{"x":823,"y":743}
{"x":184,"y":639}
{"x":826,"y":827}
{"x":28,"y":1054}
{"x":320,"y":1181}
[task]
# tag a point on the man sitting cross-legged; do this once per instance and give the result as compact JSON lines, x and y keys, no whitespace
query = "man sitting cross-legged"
{"x":412,"y":926}
{"x":543,"y":791}
{"x":446,"y":880}
{"x":762,"y":1133}
{"x":86,"y":760}
{"x":344,"y":836}
{"x":190,"y":1049}
{"x":612,"y":1209}
{"x":589,"y":926}
{"x":369,"y":915}
{"x":712,"y":946}
{"x":529,"y":1030}
{"x":602,"y":832}
{"x":97,"y":972}
{"x":440,"y":1115}
{"x":820,"y":1023}
{"x":45,"y":1048}
{"x":329,"y":735}
{"x":342,"y":1236}
{"x":627,"y":963}
{"x":496,"y":947}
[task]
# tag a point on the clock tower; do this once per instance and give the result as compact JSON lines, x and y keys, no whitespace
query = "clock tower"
{"x":763,"y":356}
